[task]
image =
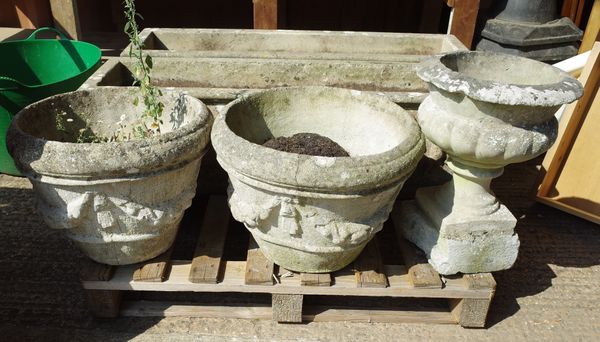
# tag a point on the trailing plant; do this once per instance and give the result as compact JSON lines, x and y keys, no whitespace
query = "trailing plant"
{"x":148,"y":93}
{"x":150,"y":120}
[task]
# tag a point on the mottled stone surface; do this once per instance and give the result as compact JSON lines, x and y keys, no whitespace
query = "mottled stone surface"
{"x":120,"y":202}
{"x":485,"y":111}
{"x":312,"y":213}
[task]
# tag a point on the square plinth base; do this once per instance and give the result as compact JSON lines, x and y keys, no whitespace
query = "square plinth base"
{"x":475,"y":251}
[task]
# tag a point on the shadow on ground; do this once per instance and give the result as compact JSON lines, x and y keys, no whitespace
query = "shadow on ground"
{"x":548,"y":237}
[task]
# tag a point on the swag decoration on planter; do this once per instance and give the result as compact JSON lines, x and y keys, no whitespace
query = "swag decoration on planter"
{"x":485,"y":110}
{"x":314,"y":213}
{"x":115,"y":173}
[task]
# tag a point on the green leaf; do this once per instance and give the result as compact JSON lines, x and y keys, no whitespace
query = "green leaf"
{"x":136,"y":101}
{"x":149,"y":61}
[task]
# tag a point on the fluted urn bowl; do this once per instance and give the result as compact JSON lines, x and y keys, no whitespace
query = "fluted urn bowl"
{"x":489,"y":109}
{"x":313,"y":213}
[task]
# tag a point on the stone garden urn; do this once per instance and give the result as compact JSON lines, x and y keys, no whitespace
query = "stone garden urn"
{"x":312,"y":213}
{"x":485,"y":110}
{"x":121,"y":202}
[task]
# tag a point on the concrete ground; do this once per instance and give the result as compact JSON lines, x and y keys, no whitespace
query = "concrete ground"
{"x":551,"y":294}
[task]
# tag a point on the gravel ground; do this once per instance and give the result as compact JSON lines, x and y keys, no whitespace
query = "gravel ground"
{"x":551,"y":294}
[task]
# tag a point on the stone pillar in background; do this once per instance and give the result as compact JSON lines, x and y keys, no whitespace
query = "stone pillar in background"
{"x":530,"y":28}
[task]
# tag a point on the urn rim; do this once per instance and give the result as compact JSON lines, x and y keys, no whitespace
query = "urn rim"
{"x":500,"y":78}
{"x":37,"y":156}
{"x":242,"y":158}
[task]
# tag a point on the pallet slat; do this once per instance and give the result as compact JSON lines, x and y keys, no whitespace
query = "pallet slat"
{"x":468,"y":296}
{"x":259,"y":270}
{"x":154,"y":270}
{"x":420,"y":272}
{"x":369,"y":267}
{"x":315,"y":279}
{"x":209,"y":249}
{"x":261,"y":311}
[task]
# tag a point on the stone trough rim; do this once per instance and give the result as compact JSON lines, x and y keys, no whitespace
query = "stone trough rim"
{"x":192,"y":136}
{"x":567,"y":89}
{"x":399,"y":161}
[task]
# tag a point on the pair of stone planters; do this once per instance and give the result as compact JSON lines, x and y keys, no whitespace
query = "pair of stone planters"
{"x":121,"y":202}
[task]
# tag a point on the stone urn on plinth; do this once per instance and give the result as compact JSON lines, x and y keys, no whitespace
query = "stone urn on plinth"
{"x":485,"y":110}
{"x":314,"y":213}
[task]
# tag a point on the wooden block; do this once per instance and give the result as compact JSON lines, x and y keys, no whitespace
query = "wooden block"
{"x":103,"y":303}
{"x":209,"y":249}
{"x":259,"y":270}
{"x":369,"y":267}
{"x":287,"y":308}
{"x":315,"y":279}
{"x":93,"y":271}
{"x":420,"y":272}
{"x":265,"y":14}
{"x":464,"y":18}
{"x":471,"y":312}
{"x":155,"y":270}
{"x":66,"y":17}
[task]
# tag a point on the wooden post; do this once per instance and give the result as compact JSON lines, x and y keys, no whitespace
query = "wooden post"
{"x":33,"y":13}
{"x":463,"y":20}
{"x":265,"y":14}
{"x":472,"y":312}
{"x":592,"y":30}
{"x":66,"y":17}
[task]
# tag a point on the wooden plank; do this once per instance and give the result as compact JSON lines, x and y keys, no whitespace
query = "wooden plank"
{"x":209,"y":248}
{"x":592,"y":30}
{"x":155,"y":270}
{"x":572,"y":163}
{"x":235,"y":274}
{"x":464,"y":18}
{"x":33,"y":13}
{"x":265,"y":14}
{"x":420,"y":272}
{"x":66,"y":17}
{"x":259,"y":269}
{"x":568,"y":112}
{"x":369,"y":267}
{"x":287,"y":308}
{"x":471,"y":312}
{"x":103,"y":303}
{"x":264,"y":312}
{"x":315,"y":279}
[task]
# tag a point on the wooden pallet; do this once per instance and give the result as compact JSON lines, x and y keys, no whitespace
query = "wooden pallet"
{"x":466,"y":298}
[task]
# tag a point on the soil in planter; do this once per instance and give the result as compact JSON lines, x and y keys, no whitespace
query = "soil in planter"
{"x":307,"y":143}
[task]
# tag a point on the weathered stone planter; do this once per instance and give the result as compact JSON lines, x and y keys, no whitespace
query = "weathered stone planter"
{"x":120,"y":202}
{"x":485,"y":111}
{"x":308,"y":213}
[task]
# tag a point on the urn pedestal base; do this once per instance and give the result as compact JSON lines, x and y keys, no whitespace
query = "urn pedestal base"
{"x":461,"y":225}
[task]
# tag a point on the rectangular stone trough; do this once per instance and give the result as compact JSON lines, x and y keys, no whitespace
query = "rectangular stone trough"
{"x":218,"y":65}
{"x":288,"y":44}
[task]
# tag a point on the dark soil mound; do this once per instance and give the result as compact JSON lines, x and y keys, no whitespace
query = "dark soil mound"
{"x":307,"y":143}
